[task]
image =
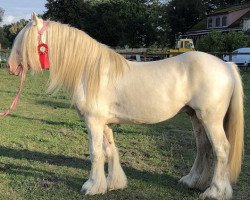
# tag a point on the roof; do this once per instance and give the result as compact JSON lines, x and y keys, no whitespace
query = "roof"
{"x":202,"y":25}
{"x":238,"y":22}
{"x":199,"y":26}
{"x":229,"y":9}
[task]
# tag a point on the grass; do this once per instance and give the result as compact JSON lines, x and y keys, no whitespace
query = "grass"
{"x":44,"y":149}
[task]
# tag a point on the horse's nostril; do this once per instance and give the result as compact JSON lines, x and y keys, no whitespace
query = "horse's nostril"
{"x":10,"y":72}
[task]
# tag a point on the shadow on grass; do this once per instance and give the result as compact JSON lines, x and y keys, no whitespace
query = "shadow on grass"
{"x":13,"y":92}
{"x":75,"y":182}
{"x":43,"y":178}
{"x":50,"y":122}
{"x":59,"y":160}
{"x":54,"y":104}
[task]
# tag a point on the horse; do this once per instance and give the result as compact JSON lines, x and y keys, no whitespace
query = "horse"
{"x":106,"y":89}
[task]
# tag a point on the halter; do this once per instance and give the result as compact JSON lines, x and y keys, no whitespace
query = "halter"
{"x":43,"y":48}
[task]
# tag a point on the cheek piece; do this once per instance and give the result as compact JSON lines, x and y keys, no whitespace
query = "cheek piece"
{"x":43,"y":48}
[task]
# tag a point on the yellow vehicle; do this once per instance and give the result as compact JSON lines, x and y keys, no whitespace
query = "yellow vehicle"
{"x":182,"y":45}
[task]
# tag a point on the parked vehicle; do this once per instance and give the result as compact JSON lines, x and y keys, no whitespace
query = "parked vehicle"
{"x":240,"y":56}
{"x":182,"y":45}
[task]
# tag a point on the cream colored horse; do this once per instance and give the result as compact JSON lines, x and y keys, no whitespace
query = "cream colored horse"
{"x":108,"y":89}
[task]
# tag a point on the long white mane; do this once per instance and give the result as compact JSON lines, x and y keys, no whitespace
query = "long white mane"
{"x":74,"y":57}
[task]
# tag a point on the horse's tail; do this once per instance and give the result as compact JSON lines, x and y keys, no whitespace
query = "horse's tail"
{"x":234,"y":126}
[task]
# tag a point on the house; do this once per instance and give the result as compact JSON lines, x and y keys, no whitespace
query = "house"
{"x":235,"y":18}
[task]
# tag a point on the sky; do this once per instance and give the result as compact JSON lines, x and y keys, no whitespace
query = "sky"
{"x":21,"y":9}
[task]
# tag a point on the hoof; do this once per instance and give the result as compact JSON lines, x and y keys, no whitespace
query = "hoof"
{"x":215,"y":193}
{"x":117,"y":183}
{"x":91,"y":187}
{"x":188,"y":181}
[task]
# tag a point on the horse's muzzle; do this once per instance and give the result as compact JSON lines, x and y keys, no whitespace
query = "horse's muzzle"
{"x":15,"y":72}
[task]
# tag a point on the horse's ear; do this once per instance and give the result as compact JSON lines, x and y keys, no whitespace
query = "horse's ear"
{"x":35,"y":19}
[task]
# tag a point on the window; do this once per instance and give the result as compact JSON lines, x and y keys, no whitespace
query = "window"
{"x":187,"y":45}
{"x":217,"y":22}
{"x":210,"y":23}
{"x":224,"y":21}
{"x":182,"y":44}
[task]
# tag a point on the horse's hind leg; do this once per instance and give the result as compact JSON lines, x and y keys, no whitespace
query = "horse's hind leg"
{"x":116,"y":177}
{"x":220,"y":187}
{"x":198,"y":176}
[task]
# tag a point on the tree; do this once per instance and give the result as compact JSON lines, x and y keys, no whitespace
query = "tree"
{"x":183,"y":14}
{"x":116,"y":23}
{"x":120,"y":23}
{"x":17,"y":26}
{"x":223,"y":3}
{"x":1,"y":14}
{"x":4,"y":41}
{"x":9,"y":32}
{"x":2,"y":35}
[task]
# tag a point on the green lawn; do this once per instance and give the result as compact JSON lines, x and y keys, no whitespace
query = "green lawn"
{"x":44,"y":149}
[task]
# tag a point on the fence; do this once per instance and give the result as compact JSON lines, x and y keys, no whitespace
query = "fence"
{"x":243,"y":62}
{"x":4,"y":54}
{"x":142,"y":55}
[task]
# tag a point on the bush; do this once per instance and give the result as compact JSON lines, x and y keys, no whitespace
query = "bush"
{"x":223,"y":42}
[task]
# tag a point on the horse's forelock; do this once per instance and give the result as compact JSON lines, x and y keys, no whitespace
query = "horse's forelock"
{"x":29,"y":53}
{"x":15,"y":58}
{"x":24,"y":49}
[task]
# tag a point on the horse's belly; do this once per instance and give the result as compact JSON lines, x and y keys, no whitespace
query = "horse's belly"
{"x":145,"y":95}
{"x":145,"y":111}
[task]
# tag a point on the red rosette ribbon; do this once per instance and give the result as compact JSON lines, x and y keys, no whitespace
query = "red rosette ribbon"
{"x":43,"y":50}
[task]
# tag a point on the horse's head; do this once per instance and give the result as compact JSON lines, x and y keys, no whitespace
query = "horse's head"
{"x":15,"y":63}
{"x":24,"y":54}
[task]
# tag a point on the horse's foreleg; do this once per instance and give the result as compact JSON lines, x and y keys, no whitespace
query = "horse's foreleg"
{"x":116,"y":177}
{"x":198,"y":176}
{"x":96,"y":183}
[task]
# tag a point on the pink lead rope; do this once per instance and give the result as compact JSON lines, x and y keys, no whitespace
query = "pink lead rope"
{"x":15,"y":100}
